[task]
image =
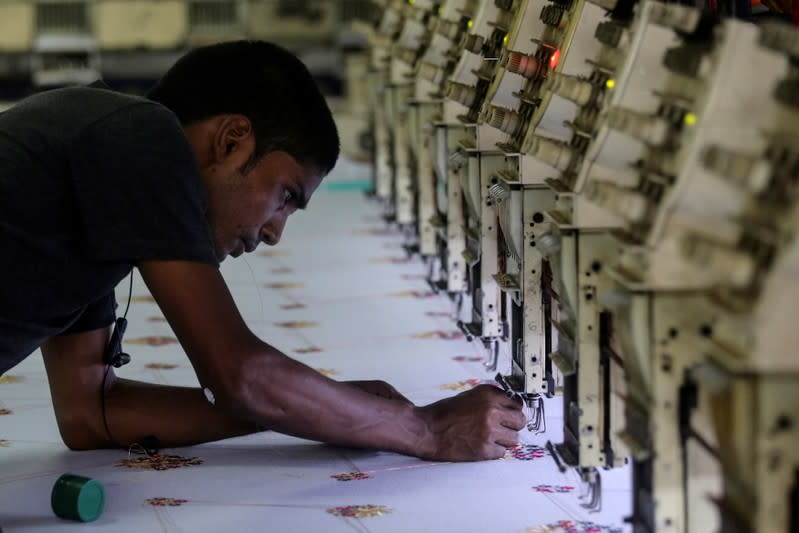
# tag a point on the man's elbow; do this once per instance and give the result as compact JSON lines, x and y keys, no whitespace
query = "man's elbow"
{"x":80,"y":424}
{"x":80,"y":436}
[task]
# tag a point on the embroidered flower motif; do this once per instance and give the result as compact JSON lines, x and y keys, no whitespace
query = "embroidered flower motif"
{"x":8,"y":379}
{"x":296,"y":324}
{"x":374,"y":232}
{"x":572,"y":526}
{"x":160,"y":366}
{"x":553,"y":489}
{"x":439,"y":334}
{"x":526,"y":452}
{"x":293,"y":306}
{"x":284,"y":285}
{"x":274,"y":253}
{"x":467,"y":358}
{"x":165,"y":502}
{"x":5,"y":412}
{"x":154,"y":340}
{"x":310,"y":349}
{"x":461,"y":385}
{"x":327,"y":372}
{"x":351,"y":476}
{"x":160,"y":462}
{"x":391,"y":260}
{"x":414,"y":294}
{"x":359,"y":511}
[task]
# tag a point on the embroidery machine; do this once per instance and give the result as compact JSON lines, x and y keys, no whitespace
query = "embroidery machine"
{"x":615,"y":211}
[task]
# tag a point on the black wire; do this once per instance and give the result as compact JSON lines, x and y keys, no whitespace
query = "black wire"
{"x":130,"y":295}
{"x":108,"y":369}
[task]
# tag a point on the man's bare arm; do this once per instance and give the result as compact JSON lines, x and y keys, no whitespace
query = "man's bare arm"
{"x":252,"y":380}
{"x":176,"y":415}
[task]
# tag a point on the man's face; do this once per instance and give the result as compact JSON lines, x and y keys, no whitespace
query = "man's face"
{"x":247,"y":208}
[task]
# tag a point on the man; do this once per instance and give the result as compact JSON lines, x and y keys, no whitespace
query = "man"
{"x":233,"y":140}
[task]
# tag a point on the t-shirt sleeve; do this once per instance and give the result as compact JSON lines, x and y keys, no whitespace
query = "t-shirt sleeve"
{"x":139,"y":189}
{"x":98,"y":314}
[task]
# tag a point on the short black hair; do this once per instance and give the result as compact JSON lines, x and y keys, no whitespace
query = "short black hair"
{"x":262,"y":81}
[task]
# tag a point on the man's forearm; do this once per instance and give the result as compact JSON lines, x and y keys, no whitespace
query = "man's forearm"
{"x":176,"y":416}
{"x":292,"y":398}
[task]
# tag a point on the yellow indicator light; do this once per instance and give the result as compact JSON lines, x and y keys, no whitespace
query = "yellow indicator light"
{"x":610,"y":84}
{"x":470,"y":24}
{"x":505,"y":40}
{"x":689,"y":119}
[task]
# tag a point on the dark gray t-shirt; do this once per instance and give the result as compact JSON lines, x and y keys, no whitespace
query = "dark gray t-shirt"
{"x":91,"y":181}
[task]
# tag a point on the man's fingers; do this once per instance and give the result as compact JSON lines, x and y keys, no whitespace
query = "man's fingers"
{"x":507,"y":438}
{"x":512,"y":403}
{"x":514,"y":420}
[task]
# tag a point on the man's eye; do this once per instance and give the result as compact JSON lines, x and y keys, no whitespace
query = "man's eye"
{"x":288,"y":196}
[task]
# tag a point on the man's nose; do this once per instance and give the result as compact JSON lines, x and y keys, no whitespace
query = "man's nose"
{"x":274,"y":230}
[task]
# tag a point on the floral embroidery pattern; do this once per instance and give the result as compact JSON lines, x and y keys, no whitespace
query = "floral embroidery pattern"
{"x":310,"y":349}
{"x":461,"y":385}
{"x":351,"y":476}
{"x":439,"y":334}
{"x":274,"y":253}
{"x":296,"y":324}
{"x":414,"y":294}
{"x":393,"y":260}
{"x":284,"y":285}
{"x":526,"y":452}
{"x":359,"y":511}
{"x":159,"y":462}
{"x":8,"y":379}
{"x":467,"y":358}
{"x":574,"y":526}
{"x":165,"y":502}
{"x":160,"y":366}
{"x":553,"y":489}
{"x":152,"y":341}
{"x":374,"y":232}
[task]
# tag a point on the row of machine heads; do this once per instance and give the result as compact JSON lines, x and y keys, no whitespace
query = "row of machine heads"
{"x":607,"y":191}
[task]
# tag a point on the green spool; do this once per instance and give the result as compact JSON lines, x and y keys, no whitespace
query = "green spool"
{"x":78,"y":498}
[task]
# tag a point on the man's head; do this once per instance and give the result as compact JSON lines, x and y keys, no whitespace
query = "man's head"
{"x":262,"y":131}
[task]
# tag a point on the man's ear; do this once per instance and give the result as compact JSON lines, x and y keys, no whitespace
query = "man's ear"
{"x":234,"y":140}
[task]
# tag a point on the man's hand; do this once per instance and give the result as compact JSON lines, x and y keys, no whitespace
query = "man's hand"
{"x":474,"y":425}
{"x":379,"y":388}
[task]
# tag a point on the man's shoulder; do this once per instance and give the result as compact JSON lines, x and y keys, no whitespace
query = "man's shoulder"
{"x":82,"y":106}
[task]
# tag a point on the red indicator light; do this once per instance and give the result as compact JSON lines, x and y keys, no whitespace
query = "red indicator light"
{"x":554,"y":59}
